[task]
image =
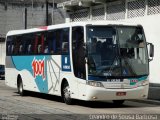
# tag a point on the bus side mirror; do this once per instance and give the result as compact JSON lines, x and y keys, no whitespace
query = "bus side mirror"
{"x":151,"y":51}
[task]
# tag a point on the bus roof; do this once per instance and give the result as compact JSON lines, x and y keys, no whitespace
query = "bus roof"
{"x":83,"y":23}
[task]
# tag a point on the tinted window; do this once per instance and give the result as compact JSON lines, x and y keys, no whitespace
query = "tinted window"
{"x":78,"y":52}
{"x":51,"y":42}
{"x":14,"y":45}
{"x":65,"y":41}
{"x":38,"y":43}
{"x":28,"y":41}
{"x":58,"y":41}
{"x":9,"y":45}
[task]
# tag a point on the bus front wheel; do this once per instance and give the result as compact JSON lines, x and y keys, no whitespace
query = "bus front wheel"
{"x":20,"y":87}
{"x":66,"y":94}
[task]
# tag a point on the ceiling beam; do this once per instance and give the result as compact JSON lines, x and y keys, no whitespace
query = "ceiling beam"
{"x":68,"y":8}
{"x":99,"y":1}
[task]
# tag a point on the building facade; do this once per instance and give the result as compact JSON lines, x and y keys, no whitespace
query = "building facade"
{"x":12,"y":14}
{"x":145,"y":12}
{"x":110,"y":9}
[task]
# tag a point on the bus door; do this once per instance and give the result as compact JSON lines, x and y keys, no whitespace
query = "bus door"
{"x":78,"y":55}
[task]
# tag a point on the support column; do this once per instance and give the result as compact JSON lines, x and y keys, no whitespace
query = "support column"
{"x":105,"y":11}
{"x":90,"y":13}
{"x":25,"y":18}
{"x":146,"y":9}
{"x":46,"y":12}
{"x":126,"y":8}
{"x":68,"y":19}
{"x":53,"y":13}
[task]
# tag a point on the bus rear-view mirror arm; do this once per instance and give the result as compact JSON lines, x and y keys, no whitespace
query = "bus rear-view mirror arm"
{"x":151,"y":51}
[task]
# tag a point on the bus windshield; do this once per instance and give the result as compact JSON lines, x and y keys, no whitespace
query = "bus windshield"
{"x":118,"y":51}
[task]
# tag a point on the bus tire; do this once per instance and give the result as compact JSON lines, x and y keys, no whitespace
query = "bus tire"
{"x":118,"y":102}
{"x":20,"y":87}
{"x":66,"y":95}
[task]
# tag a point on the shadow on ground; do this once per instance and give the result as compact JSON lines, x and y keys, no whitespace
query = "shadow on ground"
{"x":90,"y":104}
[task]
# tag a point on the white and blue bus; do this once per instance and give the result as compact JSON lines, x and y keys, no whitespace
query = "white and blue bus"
{"x":90,"y":61}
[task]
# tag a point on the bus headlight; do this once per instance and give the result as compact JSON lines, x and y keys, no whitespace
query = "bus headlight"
{"x":95,"y":83}
{"x":143,"y":83}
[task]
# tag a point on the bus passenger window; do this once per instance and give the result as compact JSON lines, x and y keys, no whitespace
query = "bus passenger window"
{"x":29,"y":48}
{"x":58,"y":39}
{"x":8,"y":48}
{"x":46,"y":49}
{"x":12,"y":48}
{"x":43,"y":37}
{"x":20,"y":48}
{"x":39,"y":48}
{"x":46,"y":42}
{"x":65,"y":47}
{"x":39,"y":43}
{"x":16,"y":45}
{"x":51,"y":42}
{"x":25,"y":45}
{"x":9,"y":45}
{"x":65,"y":41}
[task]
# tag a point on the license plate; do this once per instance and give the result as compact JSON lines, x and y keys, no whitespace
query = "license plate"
{"x":114,"y":80}
{"x":121,"y":94}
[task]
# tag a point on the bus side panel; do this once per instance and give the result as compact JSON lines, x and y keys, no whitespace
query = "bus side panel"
{"x":23,"y":66}
{"x":82,"y":89}
{"x":53,"y":74}
{"x":28,"y":80}
{"x":72,"y":81}
{"x":39,"y":73}
{"x":10,"y":73}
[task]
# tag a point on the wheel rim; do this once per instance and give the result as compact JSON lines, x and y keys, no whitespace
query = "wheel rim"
{"x":66,"y":92}
{"x":20,"y":88}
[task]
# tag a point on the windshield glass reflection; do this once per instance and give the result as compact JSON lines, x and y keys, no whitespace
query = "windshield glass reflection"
{"x":118,"y":51}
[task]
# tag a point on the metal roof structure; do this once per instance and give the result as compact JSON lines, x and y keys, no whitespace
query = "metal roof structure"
{"x":78,"y":4}
{"x":30,"y":1}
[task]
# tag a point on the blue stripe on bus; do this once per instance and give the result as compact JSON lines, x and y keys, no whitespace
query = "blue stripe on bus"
{"x":96,"y":78}
{"x":139,"y":79}
{"x":103,"y":78}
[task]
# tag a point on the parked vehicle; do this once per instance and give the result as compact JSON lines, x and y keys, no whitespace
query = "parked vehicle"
{"x":2,"y":58}
{"x":2,"y":72}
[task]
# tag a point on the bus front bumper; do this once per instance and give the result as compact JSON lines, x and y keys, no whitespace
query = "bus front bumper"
{"x":103,"y":94}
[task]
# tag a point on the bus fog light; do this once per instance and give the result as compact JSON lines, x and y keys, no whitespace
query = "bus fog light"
{"x":94,"y":97}
{"x":143,"y":83}
{"x":95,"y":84}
